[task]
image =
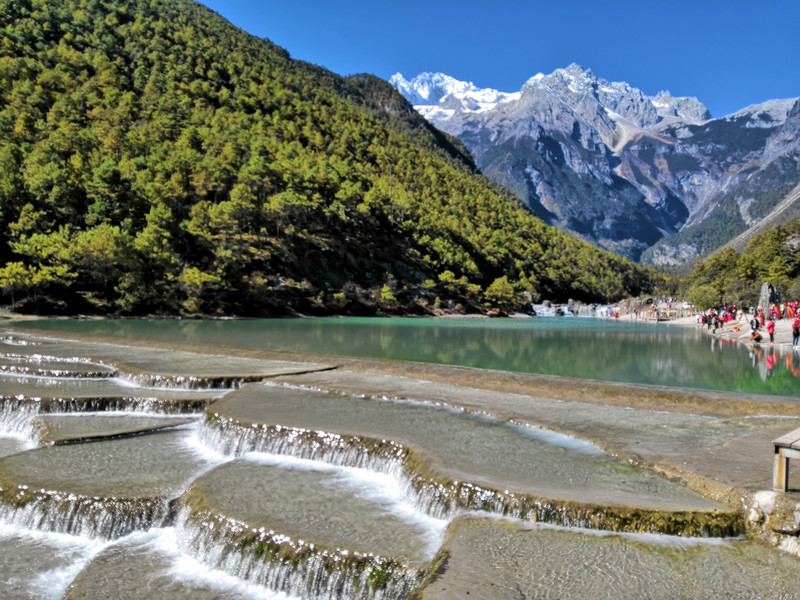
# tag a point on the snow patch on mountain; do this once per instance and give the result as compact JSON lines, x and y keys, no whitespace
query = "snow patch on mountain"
{"x":768,"y":114}
{"x":571,"y":86}
{"x":429,"y":90}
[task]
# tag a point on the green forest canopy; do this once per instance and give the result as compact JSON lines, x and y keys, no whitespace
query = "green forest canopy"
{"x":154,"y":158}
{"x":733,"y":278}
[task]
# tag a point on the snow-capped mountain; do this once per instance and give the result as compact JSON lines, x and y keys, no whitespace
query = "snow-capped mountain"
{"x":443,"y":96}
{"x":765,"y":115}
{"x":438,"y":92}
{"x":603,"y":159}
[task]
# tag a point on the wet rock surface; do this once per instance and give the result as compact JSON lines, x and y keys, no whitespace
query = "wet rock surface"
{"x":140,"y":570}
{"x":166,"y":366}
{"x":101,"y":490}
{"x":455,"y":445}
{"x":335,"y":526}
{"x":33,"y":565}
{"x":82,"y":427}
{"x":328,"y":507}
{"x":154,"y":465}
{"x":539,"y":562}
{"x":638,"y":425}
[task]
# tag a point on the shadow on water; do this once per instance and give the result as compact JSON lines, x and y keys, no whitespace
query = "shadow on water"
{"x":575,"y":347}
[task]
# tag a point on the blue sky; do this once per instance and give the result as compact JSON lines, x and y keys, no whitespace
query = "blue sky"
{"x":728,"y":53}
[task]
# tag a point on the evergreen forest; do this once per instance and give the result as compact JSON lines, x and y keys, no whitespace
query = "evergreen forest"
{"x":728,"y":277}
{"x":154,"y":159}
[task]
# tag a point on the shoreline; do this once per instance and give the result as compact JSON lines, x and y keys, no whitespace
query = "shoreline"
{"x":783,"y":331}
{"x":726,"y":332}
{"x":710,"y":402}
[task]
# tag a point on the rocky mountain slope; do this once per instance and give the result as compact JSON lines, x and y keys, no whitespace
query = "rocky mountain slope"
{"x":652,"y":178}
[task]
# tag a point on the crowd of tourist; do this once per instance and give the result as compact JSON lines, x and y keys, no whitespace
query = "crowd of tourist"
{"x":758,"y":319}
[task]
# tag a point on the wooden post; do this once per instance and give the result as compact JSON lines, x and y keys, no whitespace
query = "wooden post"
{"x":780,"y":471}
{"x":787,"y":446}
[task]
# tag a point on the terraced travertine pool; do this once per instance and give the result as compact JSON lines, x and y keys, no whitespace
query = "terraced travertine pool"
{"x":208,"y":472}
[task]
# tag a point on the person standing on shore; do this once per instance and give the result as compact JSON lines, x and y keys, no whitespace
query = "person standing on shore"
{"x":753,"y":324}
{"x":771,"y":329}
{"x":796,"y":332}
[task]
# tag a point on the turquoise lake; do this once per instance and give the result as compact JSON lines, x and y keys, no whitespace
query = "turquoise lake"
{"x":589,"y":348}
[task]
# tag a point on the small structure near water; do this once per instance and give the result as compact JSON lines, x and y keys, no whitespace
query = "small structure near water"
{"x":787,"y":446}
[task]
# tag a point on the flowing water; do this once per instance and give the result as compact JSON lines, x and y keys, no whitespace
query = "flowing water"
{"x":463,"y":446}
{"x":129,"y":472}
{"x":553,"y":563}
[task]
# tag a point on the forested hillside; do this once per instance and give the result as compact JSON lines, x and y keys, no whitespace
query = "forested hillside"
{"x":735,"y":278}
{"x":155,"y":159}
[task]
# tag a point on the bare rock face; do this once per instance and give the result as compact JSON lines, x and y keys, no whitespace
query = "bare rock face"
{"x":651,"y":178}
{"x":767,"y":296}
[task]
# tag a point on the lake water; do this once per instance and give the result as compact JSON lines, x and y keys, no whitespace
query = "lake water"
{"x":574,"y":347}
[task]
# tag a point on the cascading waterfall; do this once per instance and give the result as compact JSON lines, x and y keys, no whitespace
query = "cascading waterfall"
{"x":129,"y":404}
{"x":295,"y":567}
{"x":544,"y":310}
{"x":14,"y":340}
{"x":74,"y":514}
{"x":441,"y":497}
{"x":595,"y":310}
{"x":228,"y":437}
{"x":385,"y":456}
{"x":580,"y":310}
{"x":187,"y":382}
{"x":34,"y":371}
{"x":57,"y":511}
{"x":273,"y":559}
{"x":43,"y":365}
{"x":17,"y":419}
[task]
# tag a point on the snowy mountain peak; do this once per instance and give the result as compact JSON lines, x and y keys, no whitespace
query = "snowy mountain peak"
{"x":614,"y":165}
{"x":576,"y":74}
{"x":429,"y":88}
{"x":575,"y":83}
{"x":428,"y":91}
{"x":768,"y":114}
{"x":686,"y":109}
{"x":573,"y":79}
{"x":438,"y":96}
